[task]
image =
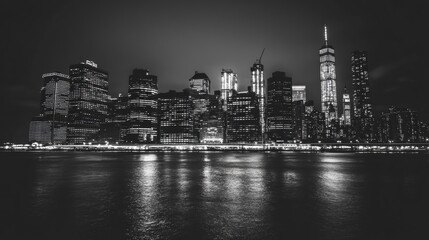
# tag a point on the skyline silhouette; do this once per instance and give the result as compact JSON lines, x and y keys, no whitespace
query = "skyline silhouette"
{"x":176,"y":39}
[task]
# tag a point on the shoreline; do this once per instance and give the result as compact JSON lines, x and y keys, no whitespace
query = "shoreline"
{"x":295,"y":147}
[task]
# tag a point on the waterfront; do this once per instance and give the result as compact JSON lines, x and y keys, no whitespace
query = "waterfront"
{"x":216,"y":195}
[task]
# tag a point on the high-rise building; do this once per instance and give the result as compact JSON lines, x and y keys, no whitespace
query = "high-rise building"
{"x":298,"y":117}
{"x":51,"y":125}
{"x":328,"y":81}
{"x":114,"y":129}
{"x":363,"y":116}
{"x":229,"y":83}
{"x":243,"y":125}
{"x":346,"y":118}
{"x":316,"y":126}
{"x":143,"y":107}
{"x":200,"y":82}
{"x":299,"y":93}
{"x":212,"y":130}
{"x":88,"y":101}
{"x":176,"y":117}
{"x":279,"y":108}
{"x":258,"y":87}
{"x":399,"y":125}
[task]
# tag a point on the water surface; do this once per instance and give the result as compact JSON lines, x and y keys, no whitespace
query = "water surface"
{"x":218,"y":195}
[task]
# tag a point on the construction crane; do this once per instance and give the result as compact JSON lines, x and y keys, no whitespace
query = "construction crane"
{"x":259,"y":60}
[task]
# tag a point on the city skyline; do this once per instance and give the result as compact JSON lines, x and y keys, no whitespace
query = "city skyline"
{"x":402,"y":61}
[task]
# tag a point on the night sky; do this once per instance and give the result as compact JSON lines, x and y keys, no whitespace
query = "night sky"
{"x":175,"y":38}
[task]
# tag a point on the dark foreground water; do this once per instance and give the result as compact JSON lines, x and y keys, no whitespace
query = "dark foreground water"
{"x":86,"y":195}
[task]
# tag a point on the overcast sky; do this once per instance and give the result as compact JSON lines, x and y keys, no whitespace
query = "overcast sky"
{"x":175,"y":38}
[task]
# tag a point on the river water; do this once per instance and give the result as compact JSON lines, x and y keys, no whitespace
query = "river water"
{"x":216,"y":195}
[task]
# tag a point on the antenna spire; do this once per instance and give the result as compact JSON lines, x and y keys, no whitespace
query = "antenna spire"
{"x":326,"y":35}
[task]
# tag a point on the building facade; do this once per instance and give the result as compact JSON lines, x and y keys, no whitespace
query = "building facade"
{"x":176,"y":117}
{"x":363,"y":115}
{"x":258,"y":87}
{"x":229,"y":83}
{"x":88,"y":102}
{"x":347,"y":115}
{"x":399,"y":125}
{"x":200,"y":82}
{"x":243,"y":118}
{"x":279,"y":108}
{"x":328,"y":81}
{"x":54,"y":108}
{"x":299,"y":93}
{"x":142,"y":119}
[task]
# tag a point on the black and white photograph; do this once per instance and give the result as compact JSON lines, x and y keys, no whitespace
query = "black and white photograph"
{"x":199,"y":119}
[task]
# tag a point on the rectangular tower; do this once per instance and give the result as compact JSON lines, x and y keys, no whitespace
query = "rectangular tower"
{"x":363,"y":116}
{"x":88,"y":101}
{"x":279,"y":108}
{"x":51,"y":125}
{"x":229,"y":83}
{"x":143,"y":107}
{"x":243,"y":125}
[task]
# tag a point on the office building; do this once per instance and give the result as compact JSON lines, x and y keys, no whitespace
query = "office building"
{"x":279,"y":108}
{"x":243,"y":118}
{"x":363,"y":116}
{"x":200,"y":82}
{"x":258,"y":87}
{"x":176,"y":117}
{"x":229,"y":83}
{"x":51,"y":125}
{"x":299,"y":93}
{"x":143,"y":107}
{"x":399,"y":125}
{"x":328,"y":81}
{"x":88,"y":102}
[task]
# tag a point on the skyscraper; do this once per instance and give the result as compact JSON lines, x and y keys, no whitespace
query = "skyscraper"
{"x":279,"y":108}
{"x":299,"y":93}
{"x":363,"y":116}
{"x":88,"y":101}
{"x":258,"y":87}
{"x":200,"y":82}
{"x":399,"y":125}
{"x":51,"y":125}
{"x":142,"y":103}
{"x":328,"y":80}
{"x":243,"y":125}
{"x":346,"y":108}
{"x":228,"y":84}
{"x":176,"y":117}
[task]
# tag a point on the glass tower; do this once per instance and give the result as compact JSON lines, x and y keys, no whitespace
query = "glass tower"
{"x":228,"y":84}
{"x":328,"y":81}
{"x":363,"y":116}
{"x":143,"y":107}
{"x":279,"y":108}
{"x":257,"y":85}
{"x":88,"y":102}
{"x":51,"y":125}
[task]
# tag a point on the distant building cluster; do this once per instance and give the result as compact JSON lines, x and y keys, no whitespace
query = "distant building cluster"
{"x":77,"y":109}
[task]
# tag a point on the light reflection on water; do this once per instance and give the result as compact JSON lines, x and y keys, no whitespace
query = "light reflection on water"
{"x":226,"y":195}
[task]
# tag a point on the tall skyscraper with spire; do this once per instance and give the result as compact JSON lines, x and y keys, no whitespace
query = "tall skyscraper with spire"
{"x":328,"y":80}
{"x":258,"y":87}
